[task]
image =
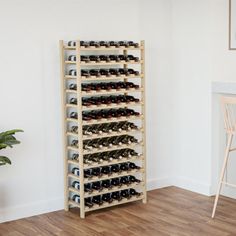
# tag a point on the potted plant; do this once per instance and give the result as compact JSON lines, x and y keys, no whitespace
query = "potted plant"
{"x":7,"y":139}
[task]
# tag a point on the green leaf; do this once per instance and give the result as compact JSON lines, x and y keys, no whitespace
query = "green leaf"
{"x":10,"y":132}
{"x":4,"y":160}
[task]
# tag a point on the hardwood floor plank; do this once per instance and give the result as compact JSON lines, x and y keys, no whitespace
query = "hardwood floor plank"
{"x":169,"y":212}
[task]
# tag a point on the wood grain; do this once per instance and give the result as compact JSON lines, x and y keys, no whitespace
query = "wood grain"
{"x":169,"y":211}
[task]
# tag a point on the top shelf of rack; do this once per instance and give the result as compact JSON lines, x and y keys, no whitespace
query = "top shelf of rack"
{"x":103,"y":48}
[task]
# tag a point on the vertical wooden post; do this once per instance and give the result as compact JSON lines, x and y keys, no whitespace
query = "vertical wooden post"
{"x":64,"y":116}
{"x":80,"y":127}
{"x":142,"y":44}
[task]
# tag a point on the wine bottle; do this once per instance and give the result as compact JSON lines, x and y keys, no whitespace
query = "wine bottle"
{"x":72,"y":44}
{"x":116,"y":127}
{"x":74,"y":115}
{"x":106,"y":184}
{"x":104,"y":44}
{"x":88,"y":144}
{"x":88,"y":160}
{"x":85,"y":59}
{"x":117,"y":141}
{"x":87,"y":130}
{"x":87,"y":187}
{"x":116,"y":196}
{"x":115,"y":168}
{"x":94,"y":72}
{"x":97,"y":186}
{"x":131,"y":139}
{"x":106,"y":170}
{"x":96,"y":172}
{"x":124,"y":167}
{"x":97,"y":200}
{"x":75,"y":156}
{"x":73,"y":101}
{"x":87,"y":202}
{"x":94,"y":44}
{"x":125,"y":193}
{"x":107,"y":198}
{"x":85,"y":73}
{"x":132,"y":126}
{"x":76,"y":198}
{"x":87,"y":173}
{"x":106,"y":128}
{"x":73,"y":86}
{"x":72,"y":72}
{"x":74,"y":143}
{"x":104,"y":72}
{"x":86,"y":87}
{"x":94,"y":58}
{"x":72,"y":58}
{"x":133,"y":192}
{"x":133,"y":166}
{"x":113,"y":71}
{"x":95,"y":158}
{"x":74,"y":129}
{"x":75,"y":171}
{"x":114,"y":44}
{"x":115,"y":182}
{"x":132,"y":71}
{"x":124,"y":180}
{"x":133,"y":179}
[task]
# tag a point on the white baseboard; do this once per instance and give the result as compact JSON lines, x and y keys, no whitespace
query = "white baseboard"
{"x":31,"y":209}
{"x":159,"y":183}
{"x":192,"y":185}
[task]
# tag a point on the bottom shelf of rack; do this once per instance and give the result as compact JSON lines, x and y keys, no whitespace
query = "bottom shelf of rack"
{"x":105,"y":205}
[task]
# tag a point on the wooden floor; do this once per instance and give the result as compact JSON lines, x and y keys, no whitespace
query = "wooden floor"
{"x":169,"y":211}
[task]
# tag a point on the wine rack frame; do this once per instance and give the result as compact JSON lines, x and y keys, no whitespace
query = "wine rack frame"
{"x":66,"y":134}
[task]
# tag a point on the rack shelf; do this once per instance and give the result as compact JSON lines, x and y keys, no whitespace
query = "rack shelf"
{"x":106,"y":149}
{"x":104,"y":48}
{"x":103,"y":78}
{"x":99,"y":107}
{"x":104,"y":191}
{"x":104,"y":63}
{"x":106,"y":163}
{"x":68,"y":136}
{"x":104,"y":177}
{"x":103,"y":135}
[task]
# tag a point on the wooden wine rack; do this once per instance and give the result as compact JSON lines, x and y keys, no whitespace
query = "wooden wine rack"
{"x":67,"y":134}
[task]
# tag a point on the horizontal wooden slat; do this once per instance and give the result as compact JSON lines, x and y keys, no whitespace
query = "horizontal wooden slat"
{"x":106,"y":163}
{"x":113,"y":148}
{"x":91,"y":122}
{"x":104,"y":135}
{"x":104,"y":191}
{"x":106,"y":149}
{"x":103,"y":78}
{"x":112,"y":105}
{"x":72,"y":203}
{"x":103,"y":48}
{"x":104,"y":177}
{"x":104,"y":63}
{"x":104,"y":106}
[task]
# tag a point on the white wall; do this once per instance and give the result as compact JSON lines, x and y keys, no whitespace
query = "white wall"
{"x":200,"y":56}
{"x":30,"y":89}
{"x":156,"y":28}
{"x":191,"y":78}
